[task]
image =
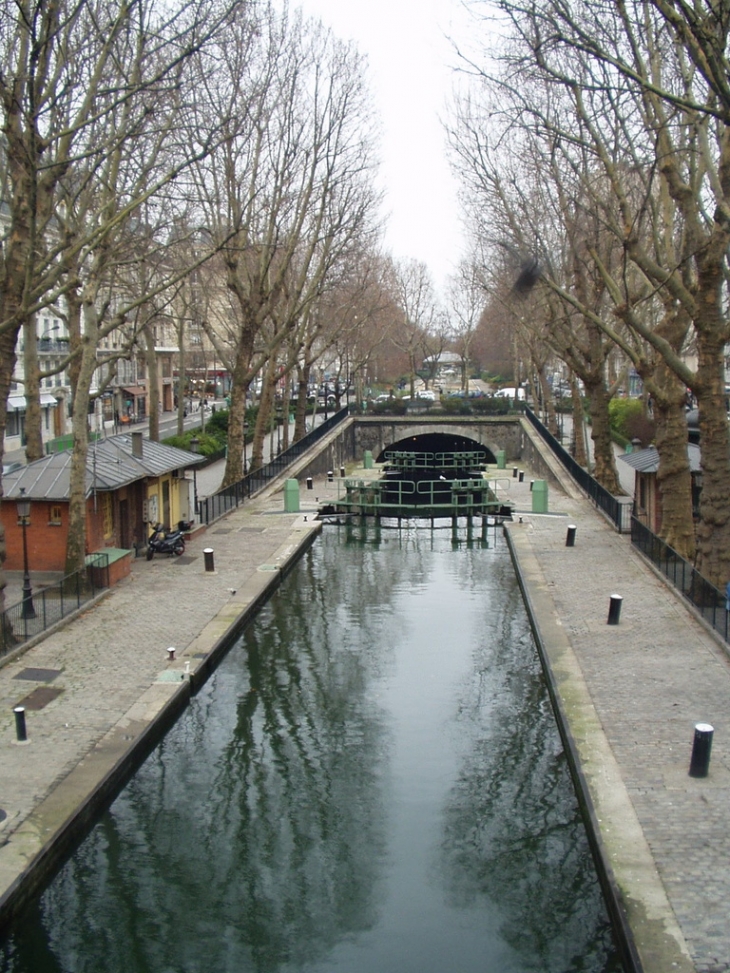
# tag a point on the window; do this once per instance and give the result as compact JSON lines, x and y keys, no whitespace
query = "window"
{"x":55,"y":518}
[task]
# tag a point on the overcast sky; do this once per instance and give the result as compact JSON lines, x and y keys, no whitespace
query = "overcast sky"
{"x":409,"y":56}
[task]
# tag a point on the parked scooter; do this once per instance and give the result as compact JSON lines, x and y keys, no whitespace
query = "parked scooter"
{"x":167,"y":542}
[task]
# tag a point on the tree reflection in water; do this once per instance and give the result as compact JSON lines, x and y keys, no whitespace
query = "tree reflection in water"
{"x":260,"y":834}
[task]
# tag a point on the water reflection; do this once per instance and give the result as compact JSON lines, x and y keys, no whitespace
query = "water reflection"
{"x":371,"y":781}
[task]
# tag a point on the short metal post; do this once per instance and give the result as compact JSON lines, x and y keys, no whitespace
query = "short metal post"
{"x":614,"y":609}
{"x":700,"y":763}
{"x":208,"y":555}
{"x":330,"y":476}
{"x":20,"y":730}
{"x":514,"y":472}
{"x":342,"y":472}
{"x":570,"y":536}
{"x":310,"y":483}
{"x":532,"y":483}
{"x":522,"y":476}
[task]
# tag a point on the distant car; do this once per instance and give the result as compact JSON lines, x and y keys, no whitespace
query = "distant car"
{"x":11,"y":468}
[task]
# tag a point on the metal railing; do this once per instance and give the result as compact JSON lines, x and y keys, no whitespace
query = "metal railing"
{"x":230,"y":497}
{"x":31,"y":616}
{"x":706,"y":597}
{"x":601,"y":497}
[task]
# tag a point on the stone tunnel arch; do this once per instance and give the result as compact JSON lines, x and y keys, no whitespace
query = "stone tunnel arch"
{"x":438,"y":442}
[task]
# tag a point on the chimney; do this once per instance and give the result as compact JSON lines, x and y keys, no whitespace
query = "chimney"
{"x":137,"y":444}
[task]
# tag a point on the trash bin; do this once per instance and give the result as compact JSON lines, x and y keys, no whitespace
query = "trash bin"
{"x":540,"y":497}
{"x":291,"y":496}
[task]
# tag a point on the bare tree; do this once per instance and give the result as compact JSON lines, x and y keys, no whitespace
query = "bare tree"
{"x":288,"y":190}
{"x":89,"y":93}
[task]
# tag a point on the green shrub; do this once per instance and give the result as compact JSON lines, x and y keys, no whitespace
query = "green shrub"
{"x":454,"y":405}
{"x":628,"y":418}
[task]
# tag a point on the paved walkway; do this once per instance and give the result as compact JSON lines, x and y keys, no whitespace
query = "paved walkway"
{"x":631,"y":693}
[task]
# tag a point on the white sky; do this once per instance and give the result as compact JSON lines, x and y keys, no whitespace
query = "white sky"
{"x":409,"y":57}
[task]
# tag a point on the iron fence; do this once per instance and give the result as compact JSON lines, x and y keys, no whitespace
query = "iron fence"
{"x":601,"y":497}
{"x":46,"y":606}
{"x":708,"y":599}
{"x":230,"y":497}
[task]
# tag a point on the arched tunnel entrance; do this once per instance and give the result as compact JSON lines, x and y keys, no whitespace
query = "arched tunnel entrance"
{"x":438,"y":471}
{"x":437,"y":443}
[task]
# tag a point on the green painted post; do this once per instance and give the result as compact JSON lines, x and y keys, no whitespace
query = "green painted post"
{"x":501,"y":459}
{"x":368,"y":460}
{"x":540,"y":497}
{"x":291,"y":496}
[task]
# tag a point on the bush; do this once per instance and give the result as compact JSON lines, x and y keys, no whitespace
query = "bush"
{"x":455,"y":405}
{"x":628,"y":419}
{"x":208,"y":443}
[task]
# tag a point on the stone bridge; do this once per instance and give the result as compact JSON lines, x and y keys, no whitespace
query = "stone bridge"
{"x":422,"y":433}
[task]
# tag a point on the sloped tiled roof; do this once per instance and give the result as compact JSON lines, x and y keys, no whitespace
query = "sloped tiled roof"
{"x":110,"y":464}
{"x":647,"y":460}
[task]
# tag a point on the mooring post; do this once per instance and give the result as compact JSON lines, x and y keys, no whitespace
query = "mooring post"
{"x":21,"y":734}
{"x":702,"y":745}
{"x":614,"y":609}
{"x":570,"y":536}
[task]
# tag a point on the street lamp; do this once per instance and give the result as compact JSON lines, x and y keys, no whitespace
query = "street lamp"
{"x":245,"y":430}
{"x":279,"y":415}
{"x":23,"y":504}
{"x":194,"y":444}
{"x":47,"y":332}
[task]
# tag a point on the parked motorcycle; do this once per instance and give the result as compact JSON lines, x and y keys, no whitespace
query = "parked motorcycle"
{"x":171,"y":542}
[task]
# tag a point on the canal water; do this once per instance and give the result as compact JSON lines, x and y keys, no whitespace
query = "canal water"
{"x":371,"y":782}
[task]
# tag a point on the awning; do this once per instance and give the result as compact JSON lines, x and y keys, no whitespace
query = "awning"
{"x":133,"y":389}
{"x":17,"y":402}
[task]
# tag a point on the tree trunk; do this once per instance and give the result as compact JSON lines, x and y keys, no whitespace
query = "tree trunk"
{"x":76,"y":542}
{"x":153,"y":385}
{"x":32,"y":390}
{"x":580,"y":453}
{"x":713,"y":533}
{"x":300,"y":415}
{"x":236,"y":419}
{"x":604,"y":460}
{"x":673,"y":477}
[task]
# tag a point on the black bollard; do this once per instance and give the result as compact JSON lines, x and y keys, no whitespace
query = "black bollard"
{"x":522,"y":476}
{"x":699,"y":765}
{"x":20,"y":730}
{"x":614,"y":609}
{"x":330,"y":476}
{"x":570,"y":536}
{"x":342,"y":472}
{"x":514,"y":472}
{"x":532,"y":483}
{"x":310,"y":483}
{"x":208,"y":555}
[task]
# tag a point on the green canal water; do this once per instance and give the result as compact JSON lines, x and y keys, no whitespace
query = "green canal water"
{"x":371,"y":782}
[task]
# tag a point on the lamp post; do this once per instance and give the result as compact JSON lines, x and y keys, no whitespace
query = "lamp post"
{"x":194,"y":444}
{"x":279,"y":414}
{"x":245,"y":430}
{"x":23,"y":505}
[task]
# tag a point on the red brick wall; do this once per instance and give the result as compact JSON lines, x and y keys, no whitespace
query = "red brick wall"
{"x":46,"y":541}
